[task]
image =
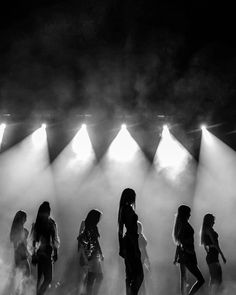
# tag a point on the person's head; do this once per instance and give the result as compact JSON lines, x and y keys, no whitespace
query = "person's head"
{"x":208,"y":220}
{"x":92,"y":218}
{"x":18,"y":223}
{"x":182,"y":217}
{"x":20,"y":217}
{"x":184,"y":212}
{"x":128,"y":197}
{"x":44,"y":210}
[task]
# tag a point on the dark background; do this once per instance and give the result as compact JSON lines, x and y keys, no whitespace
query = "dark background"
{"x":107,"y":62}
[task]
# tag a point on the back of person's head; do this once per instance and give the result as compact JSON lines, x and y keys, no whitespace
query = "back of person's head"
{"x":183,"y":212}
{"x":44,"y":209}
{"x":42,"y":226}
{"x":127,"y":197}
{"x":208,"y":220}
{"x":92,"y":218}
{"x":17,"y":224}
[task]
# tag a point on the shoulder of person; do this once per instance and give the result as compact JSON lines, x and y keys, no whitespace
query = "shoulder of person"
{"x":52,"y":221}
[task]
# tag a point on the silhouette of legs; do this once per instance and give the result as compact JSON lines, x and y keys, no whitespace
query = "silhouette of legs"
{"x":44,"y":274}
{"x":183,"y":279}
{"x":134,"y":275}
{"x":215,"y":277}
{"x":94,"y":281}
{"x":193,"y":268}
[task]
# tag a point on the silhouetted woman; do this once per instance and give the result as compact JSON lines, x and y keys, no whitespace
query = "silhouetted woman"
{"x":142,"y":241}
{"x":18,"y":236}
{"x":46,"y":244}
{"x":128,"y":242}
{"x":209,"y":239}
{"x":90,"y":253}
{"x":185,"y":255}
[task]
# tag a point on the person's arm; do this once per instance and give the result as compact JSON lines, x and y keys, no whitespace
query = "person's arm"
{"x":176,"y":254}
{"x":55,"y":242}
{"x":215,"y":243}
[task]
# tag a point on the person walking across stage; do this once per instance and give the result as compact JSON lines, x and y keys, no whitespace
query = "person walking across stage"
{"x":45,"y":243}
{"x":18,"y":237}
{"x":90,"y":253}
{"x":183,"y":235}
{"x":128,"y":242}
{"x":209,"y":239}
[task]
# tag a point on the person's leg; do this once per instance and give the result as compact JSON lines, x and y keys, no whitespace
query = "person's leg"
{"x":138,"y":276}
{"x":183,"y":279}
{"x":128,"y":273}
{"x":193,"y":268}
{"x":97,"y":283}
{"x":90,"y":283}
{"x":215,"y":277}
{"x":39,"y":275}
{"x":47,"y":274}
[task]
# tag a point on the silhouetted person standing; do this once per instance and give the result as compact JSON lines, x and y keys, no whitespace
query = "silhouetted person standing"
{"x":90,"y":253}
{"x":46,"y":243}
{"x":185,"y":255}
{"x":209,"y":239}
{"x":128,"y":242}
{"x":18,"y":236}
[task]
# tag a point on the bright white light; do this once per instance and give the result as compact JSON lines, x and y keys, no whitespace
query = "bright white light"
{"x":81,"y":144}
{"x":123,"y":147}
{"x":171,"y":155}
{"x":2,"y":128}
{"x":203,"y":127}
{"x":39,"y":136}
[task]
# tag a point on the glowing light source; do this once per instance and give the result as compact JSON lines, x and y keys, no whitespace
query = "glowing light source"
{"x":39,"y":136}
{"x":81,"y":144}
{"x":170,"y":154}
{"x":2,"y":128}
{"x":123,"y":147}
{"x":203,"y":127}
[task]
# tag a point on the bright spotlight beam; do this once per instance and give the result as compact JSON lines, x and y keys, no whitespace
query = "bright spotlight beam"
{"x":39,"y":136}
{"x":171,"y":156}
{"x":123,"y":147}
{"x":81,"y":144}
{"x":2,"y":128}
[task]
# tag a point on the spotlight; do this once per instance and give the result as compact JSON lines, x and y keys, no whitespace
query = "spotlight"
{"x":2,"y":126}
{"x":165,"y":127}
{"x":39,"y":136}
{"x":203,"y":127}
{"x":123,"y":147}
{"x":81,"y":144}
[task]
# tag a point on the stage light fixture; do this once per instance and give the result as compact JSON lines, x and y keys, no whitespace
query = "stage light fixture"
{"x":203,"y":127}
